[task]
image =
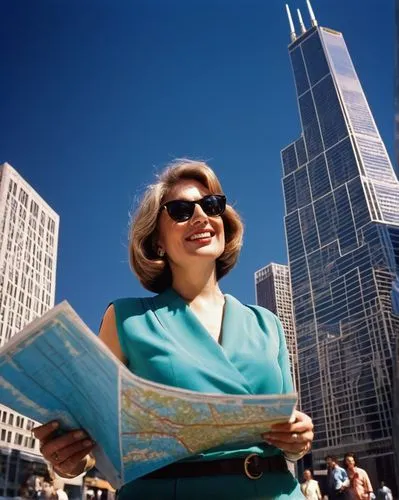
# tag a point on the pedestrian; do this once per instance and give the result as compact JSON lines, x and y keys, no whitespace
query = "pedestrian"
{"x":337,"y":480}
{"x":184,"y":238}
{"x":360,"y":485}
{"x":48,"y":491}
{"x":310,"y":487}
{"x":383,"y":492}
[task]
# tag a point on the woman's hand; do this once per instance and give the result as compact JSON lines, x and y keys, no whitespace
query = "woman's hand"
{"x":68,"y":453}
{"x":293,"y":438}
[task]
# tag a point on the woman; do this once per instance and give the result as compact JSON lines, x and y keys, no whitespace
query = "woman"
{"x":310,"y":487}
{"x":183,"y":240}
{"x":360,"y":485}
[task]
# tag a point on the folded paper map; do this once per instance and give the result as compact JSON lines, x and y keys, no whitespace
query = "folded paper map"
{"x":56,"y":368}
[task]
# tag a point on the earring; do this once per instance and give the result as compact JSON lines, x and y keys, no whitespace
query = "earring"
{"x":161,"y":252}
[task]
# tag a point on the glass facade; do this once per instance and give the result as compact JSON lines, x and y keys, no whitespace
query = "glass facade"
{"x":342,"y":225}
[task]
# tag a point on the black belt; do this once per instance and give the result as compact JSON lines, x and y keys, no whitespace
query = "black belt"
{"x":253,"y":466}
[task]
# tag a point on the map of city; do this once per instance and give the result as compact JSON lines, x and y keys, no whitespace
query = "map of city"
{"x":56,"y":368}
{"x":162,"y":427}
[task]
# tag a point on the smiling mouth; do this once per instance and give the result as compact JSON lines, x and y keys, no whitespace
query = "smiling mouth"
{"x":200,"y":236}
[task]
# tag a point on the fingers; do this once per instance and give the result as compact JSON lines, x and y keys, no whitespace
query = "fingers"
{"x":292,"y":437}
{"x":302,"y":423}
{"x":291,"y":442}
{"x":65,"y":452}
{"x":69,"y":466}
{"x":288,"y":437}
{"x":44,"y":432}
{"x":59,"y":449}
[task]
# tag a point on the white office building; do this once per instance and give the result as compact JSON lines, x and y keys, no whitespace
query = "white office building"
{"x":28,"y":260}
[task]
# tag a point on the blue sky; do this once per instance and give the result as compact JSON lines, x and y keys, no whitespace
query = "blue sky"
{"x":98,"y":95}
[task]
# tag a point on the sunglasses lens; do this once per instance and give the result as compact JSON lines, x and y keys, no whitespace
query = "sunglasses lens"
{"x":214,"y":205}
{"x":180,"y":210}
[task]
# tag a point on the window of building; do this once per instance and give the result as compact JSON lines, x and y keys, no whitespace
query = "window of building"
{"x":51,"y":225}
{"x":10,"y":419}
{"x":30,"y":424}
{"x":23,"y":197}
{"x":18,"y":438}
{"x":34,"y":208}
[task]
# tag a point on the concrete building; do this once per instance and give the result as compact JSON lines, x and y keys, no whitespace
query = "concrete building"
{"x":28,"y":260}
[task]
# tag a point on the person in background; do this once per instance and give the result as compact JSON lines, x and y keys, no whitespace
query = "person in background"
{"x":384,"y":493}
{"x":33,"y":482}
{"x":337,"y":480}
{"x":310,"y":487}
{"x":360,"y":485}
{"x":184,"y":238}
{"x":48,"y":491}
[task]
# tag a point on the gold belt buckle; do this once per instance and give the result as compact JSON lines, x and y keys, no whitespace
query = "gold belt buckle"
{"x":247,"y":462}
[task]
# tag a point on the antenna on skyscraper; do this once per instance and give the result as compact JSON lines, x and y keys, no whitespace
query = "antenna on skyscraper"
{"x":312,"y":16}
{"x":303,"y":29}
{"x":292,"y":29}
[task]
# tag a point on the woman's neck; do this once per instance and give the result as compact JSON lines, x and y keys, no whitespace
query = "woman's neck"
{"x":196,"y":282}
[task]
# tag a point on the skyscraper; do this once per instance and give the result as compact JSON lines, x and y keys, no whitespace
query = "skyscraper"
{"x":342,"y":226}
{"x":273,"y":291}
{"x":28,"y":259}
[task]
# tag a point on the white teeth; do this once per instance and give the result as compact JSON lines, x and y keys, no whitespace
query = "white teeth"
{"x":200,"y":235}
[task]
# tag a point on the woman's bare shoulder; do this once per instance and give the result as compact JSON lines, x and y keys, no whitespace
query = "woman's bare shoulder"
{"x":109,"y":333}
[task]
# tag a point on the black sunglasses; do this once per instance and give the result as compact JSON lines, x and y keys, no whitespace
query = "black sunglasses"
{"x":182,"y":210}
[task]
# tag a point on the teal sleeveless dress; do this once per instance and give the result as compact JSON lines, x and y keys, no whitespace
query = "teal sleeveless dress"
{"x":164,"y":341}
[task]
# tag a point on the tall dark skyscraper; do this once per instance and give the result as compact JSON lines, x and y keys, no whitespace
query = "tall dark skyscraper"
{"x":342,"y":226}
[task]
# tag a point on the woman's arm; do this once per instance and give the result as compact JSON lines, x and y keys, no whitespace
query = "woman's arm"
{"x":109,"y":334}
{"x":283,"y":359}
{"x":294,"y":438}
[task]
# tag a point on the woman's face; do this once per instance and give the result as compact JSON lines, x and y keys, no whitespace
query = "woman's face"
{"x":201,"y":237}
{"x":350,"y":462}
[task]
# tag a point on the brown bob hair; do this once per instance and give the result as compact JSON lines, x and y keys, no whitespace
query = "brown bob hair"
{"x":154,"y":272}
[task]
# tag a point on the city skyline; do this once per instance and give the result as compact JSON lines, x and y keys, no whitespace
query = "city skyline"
{"x":342,"y":225}
{"x":93,"y":111}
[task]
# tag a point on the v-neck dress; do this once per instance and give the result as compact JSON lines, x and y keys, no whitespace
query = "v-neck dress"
{"x":164,"y":341}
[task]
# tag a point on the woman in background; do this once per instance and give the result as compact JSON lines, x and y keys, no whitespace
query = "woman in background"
{"x":310,"y":487}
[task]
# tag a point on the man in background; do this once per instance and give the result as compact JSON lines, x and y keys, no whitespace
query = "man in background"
{"x":337,"y":480}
